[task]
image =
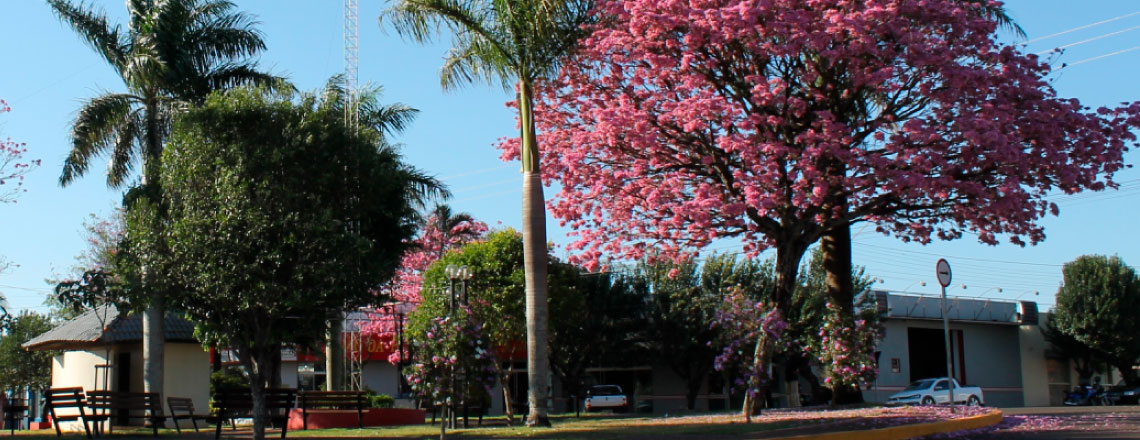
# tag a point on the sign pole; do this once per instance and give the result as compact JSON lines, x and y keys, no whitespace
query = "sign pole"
{"x":943,"y":270}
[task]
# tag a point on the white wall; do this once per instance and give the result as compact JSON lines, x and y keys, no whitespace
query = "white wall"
{"x":187,"y":374}
{"x":75,"y":369}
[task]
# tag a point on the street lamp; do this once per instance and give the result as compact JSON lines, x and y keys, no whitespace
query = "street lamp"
{"x":461,"y":273}
{"x":1035,"y":293}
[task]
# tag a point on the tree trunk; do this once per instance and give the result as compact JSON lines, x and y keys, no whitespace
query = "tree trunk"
{"x":505,"y":380}
{"x":534,"y":258}
{"x":154,"y":330}
{"x":693,"y":388}
{"x":334,"y":356}
{"x":788,"y":256}
{"x":154,"y":320}
{"x":837,"y":264}
{"x":257,"y":362}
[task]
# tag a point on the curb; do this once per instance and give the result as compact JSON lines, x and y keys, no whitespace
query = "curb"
{"x":909,"y":431}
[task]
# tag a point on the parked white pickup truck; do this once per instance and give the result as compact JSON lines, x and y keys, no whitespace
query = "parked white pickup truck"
{"x":932,"y":391}
{"x":606,"y":397}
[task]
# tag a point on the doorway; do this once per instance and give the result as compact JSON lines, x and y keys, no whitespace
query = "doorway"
{"x":927,"y":350}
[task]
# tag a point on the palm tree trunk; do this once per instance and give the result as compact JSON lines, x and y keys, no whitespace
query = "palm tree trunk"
{"x":154,"y":322}
{"x":534,"y":260}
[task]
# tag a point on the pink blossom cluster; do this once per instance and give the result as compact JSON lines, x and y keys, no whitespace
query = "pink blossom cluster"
{"x":454,"y":352}
{"x":845,"y":351}
{"x":742,"y":322}
{"x":404,"y":288}
{"x":13,"y":167}
{"x":680,"y":122}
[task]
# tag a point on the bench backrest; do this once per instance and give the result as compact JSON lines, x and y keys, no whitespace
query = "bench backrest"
{"x":180,"y":404}
{"x":65,"y":397}
{"x":115,"y":400}
{"x":333,"y":399}
{"x":242,"y":401}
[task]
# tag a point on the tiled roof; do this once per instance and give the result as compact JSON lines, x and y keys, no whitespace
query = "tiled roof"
{"x":86,"y":330}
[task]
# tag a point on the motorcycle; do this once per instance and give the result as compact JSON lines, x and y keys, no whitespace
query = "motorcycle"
{"x":1085,"y":396}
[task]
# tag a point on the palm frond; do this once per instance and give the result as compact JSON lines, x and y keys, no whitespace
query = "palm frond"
{"x":195,"y":88}
{"x":93,"y":27}
{"x":122,"y":160}
{"x":97,"y":127}
{"x":423,"y":188}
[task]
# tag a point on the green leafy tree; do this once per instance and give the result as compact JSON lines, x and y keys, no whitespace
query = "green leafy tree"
{"x":1096,"y":306}
{"x":170,"y":53}
{"x":512,"y":43}
{"x":1086,"y":360}
{"x":600,"y":320}
{"x":684,"y":300}
{"x":495,"y":296}
{"x":278,"y":216}
{"x":21,"y":369}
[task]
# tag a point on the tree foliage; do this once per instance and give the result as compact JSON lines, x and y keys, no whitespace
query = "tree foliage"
{"x":21,"y":369}
{"x":776,"y":122}
{"x":1096,"y":306}
{"x":278,"y":216}
{"x":684,"y":301}
{"x":440,"y":232}
{"x":13,"y":165}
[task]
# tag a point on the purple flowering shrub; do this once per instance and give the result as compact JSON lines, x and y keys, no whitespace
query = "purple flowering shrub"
{"x":742,"y":320}
{"x":453,"y":351}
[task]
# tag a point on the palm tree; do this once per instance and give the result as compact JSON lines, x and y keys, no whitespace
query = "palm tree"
{"x":445,"y":221}
{"x":171,"y":53}
{"x":511,"y":43}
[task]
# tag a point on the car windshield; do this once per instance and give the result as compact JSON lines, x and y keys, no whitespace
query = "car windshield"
{"x":919,"y":385}
{"x":605,"y":390}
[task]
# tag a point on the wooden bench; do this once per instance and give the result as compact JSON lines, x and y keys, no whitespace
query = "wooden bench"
{"x":14,"y":411}
{"x":337,"y":400}
{"x":111,"y":405}
{"x":64,"y":398}
{"x":185,"y":406}
{"x":239,"y":403}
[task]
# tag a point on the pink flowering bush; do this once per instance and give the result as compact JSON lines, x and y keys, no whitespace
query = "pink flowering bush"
{"x":845,"y":351}
{"x":404,"y":290}
{"x":13,"y":167}
{"x":453,"y":352}
{"x":742,"y":321}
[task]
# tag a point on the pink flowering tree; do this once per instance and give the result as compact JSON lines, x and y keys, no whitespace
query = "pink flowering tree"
{"x":443,"y":230}
{"x":741,"y":321}
{"x":846,"y":351}
{"x":455,"y":365}
{"x":775,"y":122}
{"x":13,"y":166}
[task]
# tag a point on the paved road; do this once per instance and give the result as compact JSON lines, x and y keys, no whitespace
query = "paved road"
{"x":1054,"y":423}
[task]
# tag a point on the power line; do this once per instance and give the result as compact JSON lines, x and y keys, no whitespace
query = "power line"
{"x":1088,"y":40}
{"x":985,"y":260}
{"x":1078,"y":28}
{"x":1087,"y":60}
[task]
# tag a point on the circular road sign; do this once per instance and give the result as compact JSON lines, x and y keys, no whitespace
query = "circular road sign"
{"x":943,"y":269}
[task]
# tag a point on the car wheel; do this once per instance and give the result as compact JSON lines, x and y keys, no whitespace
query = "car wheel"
{"x":928,"y":401}
{"x":973,"y":401}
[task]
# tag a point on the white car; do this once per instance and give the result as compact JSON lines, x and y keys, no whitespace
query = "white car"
{"x":606,"y":397}
{"x":934,"y":391}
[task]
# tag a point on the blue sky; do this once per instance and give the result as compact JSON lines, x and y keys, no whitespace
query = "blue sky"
{"x":46,"y":71}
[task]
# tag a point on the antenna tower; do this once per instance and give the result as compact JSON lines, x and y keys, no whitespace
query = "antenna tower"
{"x":354,"y":352}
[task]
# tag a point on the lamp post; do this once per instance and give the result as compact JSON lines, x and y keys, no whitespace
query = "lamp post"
{"x":461,"y":273}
